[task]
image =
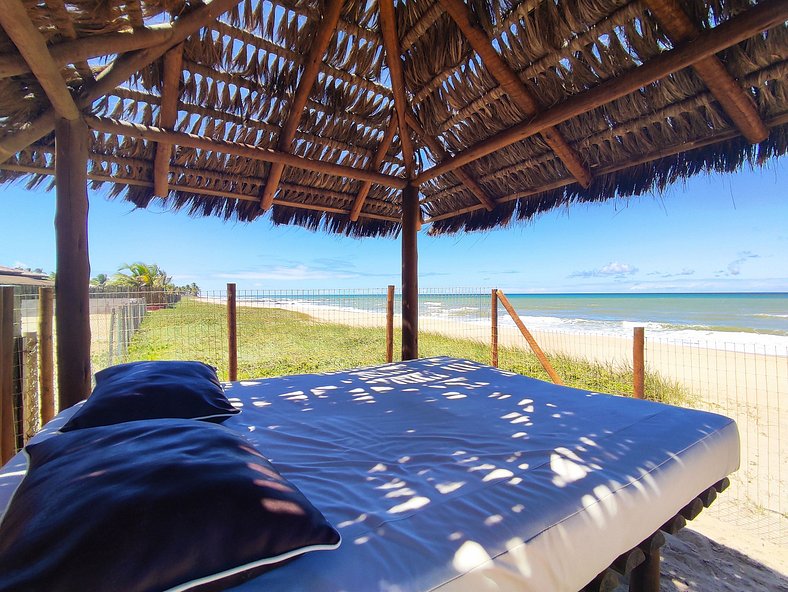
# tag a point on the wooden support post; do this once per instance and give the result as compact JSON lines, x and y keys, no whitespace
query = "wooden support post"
{"x":7,"y":423}
{"x":73,"y":263}
{"x":410,"y":273}
{"x":232,"y":334}
{"x":390,"y":324}
{"x":30,"y":401}
{"x":529,"y":338}
{"x":638,"y":363}
{"x":494,"y":329}
{"x":46,"y":353}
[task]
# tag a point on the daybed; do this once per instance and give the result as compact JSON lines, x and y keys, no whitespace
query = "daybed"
{"x":446,"y":474}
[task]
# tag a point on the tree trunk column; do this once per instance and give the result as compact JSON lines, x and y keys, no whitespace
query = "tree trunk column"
{"x":410,"y":273}
{"x":72,"y":319}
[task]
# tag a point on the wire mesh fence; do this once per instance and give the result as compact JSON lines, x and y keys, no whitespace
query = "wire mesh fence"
{"x":298,"y":331}
{"x":747,"y":382}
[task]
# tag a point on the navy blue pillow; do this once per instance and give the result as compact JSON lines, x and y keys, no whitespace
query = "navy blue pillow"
{"x":150,"y":505}
{"x":152,"y":390}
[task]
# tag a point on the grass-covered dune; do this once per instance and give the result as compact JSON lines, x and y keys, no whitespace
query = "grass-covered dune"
{"x":275,"y":342}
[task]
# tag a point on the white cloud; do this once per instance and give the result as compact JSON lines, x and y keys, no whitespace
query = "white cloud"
{"x":734,"y":267}
{"x":294,"y":273}
{"x":612,"y":269}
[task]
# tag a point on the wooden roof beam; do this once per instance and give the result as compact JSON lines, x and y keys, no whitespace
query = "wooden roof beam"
{"x":374,"y":165}
{"x":32,"y":45}
{"x":513,"y":86}
{"x":325,"y":32}
{"x":118,"y":72}
{"x":168,"y":116}
{"x":388,"y":29}
{"x":155,"y":134}
{"x":462,"y":176}
{"x":765,"y":15}
{"x":734,"y":101}
{"x":38,"y":170}
{"x":95,"y":46}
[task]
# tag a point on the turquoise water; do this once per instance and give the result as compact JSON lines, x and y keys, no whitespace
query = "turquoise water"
{"x":757,"y":313}
{"x":676,"y":315}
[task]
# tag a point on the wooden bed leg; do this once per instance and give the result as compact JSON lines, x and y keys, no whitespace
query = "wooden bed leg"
{"x":645,"y":577}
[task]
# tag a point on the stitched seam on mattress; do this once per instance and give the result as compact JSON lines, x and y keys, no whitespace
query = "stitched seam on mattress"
{"x":597,"y":502}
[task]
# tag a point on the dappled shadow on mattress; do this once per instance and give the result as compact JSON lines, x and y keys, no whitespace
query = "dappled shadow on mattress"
{"x":458,"y":463}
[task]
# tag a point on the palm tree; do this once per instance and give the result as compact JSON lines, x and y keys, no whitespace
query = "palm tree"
{"x":144,"y":276}
{"x":150,"y":279}
{"x":100,"y":280}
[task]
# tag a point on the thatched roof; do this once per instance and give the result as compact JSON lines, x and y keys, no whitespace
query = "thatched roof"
{"x":603,"y":105}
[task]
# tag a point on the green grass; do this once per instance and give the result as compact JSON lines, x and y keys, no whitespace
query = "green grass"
{"x":276,"y":342}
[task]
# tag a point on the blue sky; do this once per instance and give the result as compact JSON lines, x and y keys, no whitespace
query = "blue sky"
{"x":713,"y":233}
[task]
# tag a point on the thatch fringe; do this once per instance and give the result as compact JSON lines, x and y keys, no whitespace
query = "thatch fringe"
{"x":240,"y":74}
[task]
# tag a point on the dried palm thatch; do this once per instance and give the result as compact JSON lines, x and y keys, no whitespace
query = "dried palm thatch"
{"x":470,"y":73}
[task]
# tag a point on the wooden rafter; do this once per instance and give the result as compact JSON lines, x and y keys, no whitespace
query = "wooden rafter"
{"x":32,"y":45}
{"x":79,"y":50}
{"x":155,"y":134}
{"x":314,"y":59}
{"x":513,"y":86}
{"x":765,"y":15}
{"x":662,"y":153}
{"x":388,"y":28}
{"x":734,"y":101}
{"x":118,"y":72}
{"x":168,"y":115}
{"x":462,"y":175}
{"x":374,"y":165}
{"x":39,"y":170}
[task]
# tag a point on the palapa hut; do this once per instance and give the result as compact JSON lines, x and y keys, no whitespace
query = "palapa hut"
{"x":367,"y":119}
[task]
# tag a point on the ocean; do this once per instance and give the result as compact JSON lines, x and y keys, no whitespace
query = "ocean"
{"x":725,"y":318}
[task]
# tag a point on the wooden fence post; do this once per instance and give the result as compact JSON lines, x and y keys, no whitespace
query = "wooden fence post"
{"x":529,"y":338}
{"x":7,"y":423}
{"x":30,"y":400}
{"x":494,"y":329}
{"x":390,"y":324}
{"x":232,"y":334}
{"x":46,"y":353}
{"x":638,"y":362}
